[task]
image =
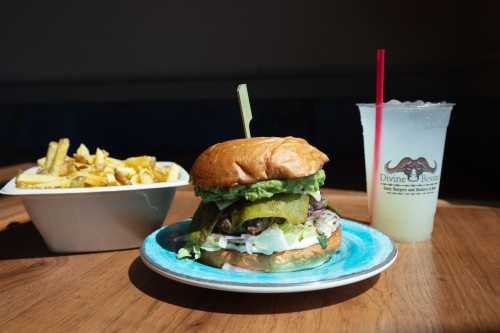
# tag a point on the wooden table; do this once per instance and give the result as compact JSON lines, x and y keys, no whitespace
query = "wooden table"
{"x":450,"y":284}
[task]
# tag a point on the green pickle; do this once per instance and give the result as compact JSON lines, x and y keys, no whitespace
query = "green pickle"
{"x":291,"y":207}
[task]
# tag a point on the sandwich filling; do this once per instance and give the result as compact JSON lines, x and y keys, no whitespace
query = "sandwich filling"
{"x":278,"y":237}
{"x":265,"y":217}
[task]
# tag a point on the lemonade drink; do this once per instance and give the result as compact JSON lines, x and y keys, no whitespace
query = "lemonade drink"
{"x":411,"y":156}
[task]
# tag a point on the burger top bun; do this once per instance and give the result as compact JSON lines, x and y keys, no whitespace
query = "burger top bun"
{"x":247,"y":161}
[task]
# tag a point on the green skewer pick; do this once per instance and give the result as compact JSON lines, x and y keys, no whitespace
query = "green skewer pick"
{"x":246,"y":111}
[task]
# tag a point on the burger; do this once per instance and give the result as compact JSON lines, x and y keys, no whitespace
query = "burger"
{"x":261,"y":207}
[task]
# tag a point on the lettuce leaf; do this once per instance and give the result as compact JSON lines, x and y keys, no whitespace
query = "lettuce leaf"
{"x":201,"y":226}
{"x":263,"y":189}
{"x":322,"y":240}
{"x":189,"y":251}
{"x":270,"y":240}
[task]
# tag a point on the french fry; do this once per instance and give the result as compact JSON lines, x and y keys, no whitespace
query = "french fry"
{"x":160,"y":174}
{"x":32,"y":179}
{"x":62,"y":150}
{"x":94,"y":180}
{"x":82,"y":150}
{"x":145,"y":176}
{"x":41,"y":162}
{"x":145,"y":162}
{"x":174,"y":173}
{"x":127,"y":172}
{"x":135,"y":180}
{"x":121,"y":177}
{"x":82,"y":155}
{"x":79,"y":173}
{"x":61,"y":183}
{"x":25,"y":180}
{"x":51,"y":153}
{"x":111,"y":180}
{"x":100,"y":162}
{"x":113,"y":162}
{"x":81,"y":166}
{"x":68,"y":168}
{"x":78,"y":181}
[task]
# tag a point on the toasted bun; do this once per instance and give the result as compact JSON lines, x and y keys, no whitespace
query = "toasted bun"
{"x":286,"y":261}
{"x":247,"y":161}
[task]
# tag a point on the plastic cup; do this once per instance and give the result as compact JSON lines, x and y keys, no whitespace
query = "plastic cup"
{"x":411,"y":156}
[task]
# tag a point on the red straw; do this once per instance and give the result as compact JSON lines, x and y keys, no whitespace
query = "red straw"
{"x":378,"y":127}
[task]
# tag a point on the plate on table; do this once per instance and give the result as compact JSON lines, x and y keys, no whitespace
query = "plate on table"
{"x":363,"y":253}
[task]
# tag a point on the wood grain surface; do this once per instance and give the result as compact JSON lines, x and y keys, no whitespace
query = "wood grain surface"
{"x":448,"y":284}
{"x":11,"y":208}
{"x":9,"y":172}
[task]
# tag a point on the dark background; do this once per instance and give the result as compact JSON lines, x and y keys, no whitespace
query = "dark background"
{"x":159,"y":77}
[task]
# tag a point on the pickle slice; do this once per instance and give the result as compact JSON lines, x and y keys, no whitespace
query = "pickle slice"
{"x":291,"y":207}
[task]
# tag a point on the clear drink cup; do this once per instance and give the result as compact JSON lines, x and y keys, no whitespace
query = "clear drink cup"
{"x":411,"y":156}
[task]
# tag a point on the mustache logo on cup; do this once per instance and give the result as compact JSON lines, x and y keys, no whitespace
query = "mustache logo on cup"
{"x":412,"y":168}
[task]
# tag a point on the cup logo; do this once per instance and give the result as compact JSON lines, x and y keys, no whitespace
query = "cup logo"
{"x":413,"y":169}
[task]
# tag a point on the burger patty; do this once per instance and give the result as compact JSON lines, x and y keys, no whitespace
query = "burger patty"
{"x":258,"y":225}
{"x":252,"y":227}
{"x":317,"y":205}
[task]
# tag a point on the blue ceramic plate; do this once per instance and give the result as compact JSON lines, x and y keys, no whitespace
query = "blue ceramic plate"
{"x":364,"y":252}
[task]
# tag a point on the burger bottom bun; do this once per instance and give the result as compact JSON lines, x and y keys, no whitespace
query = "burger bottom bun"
{"x":286,"y":261}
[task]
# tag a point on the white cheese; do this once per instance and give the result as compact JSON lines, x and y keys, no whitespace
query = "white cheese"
{"x":315,"y":195}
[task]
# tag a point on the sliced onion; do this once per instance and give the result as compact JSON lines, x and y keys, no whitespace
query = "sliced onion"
{"x":228,"y":237}
{"x":248,"y":246}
